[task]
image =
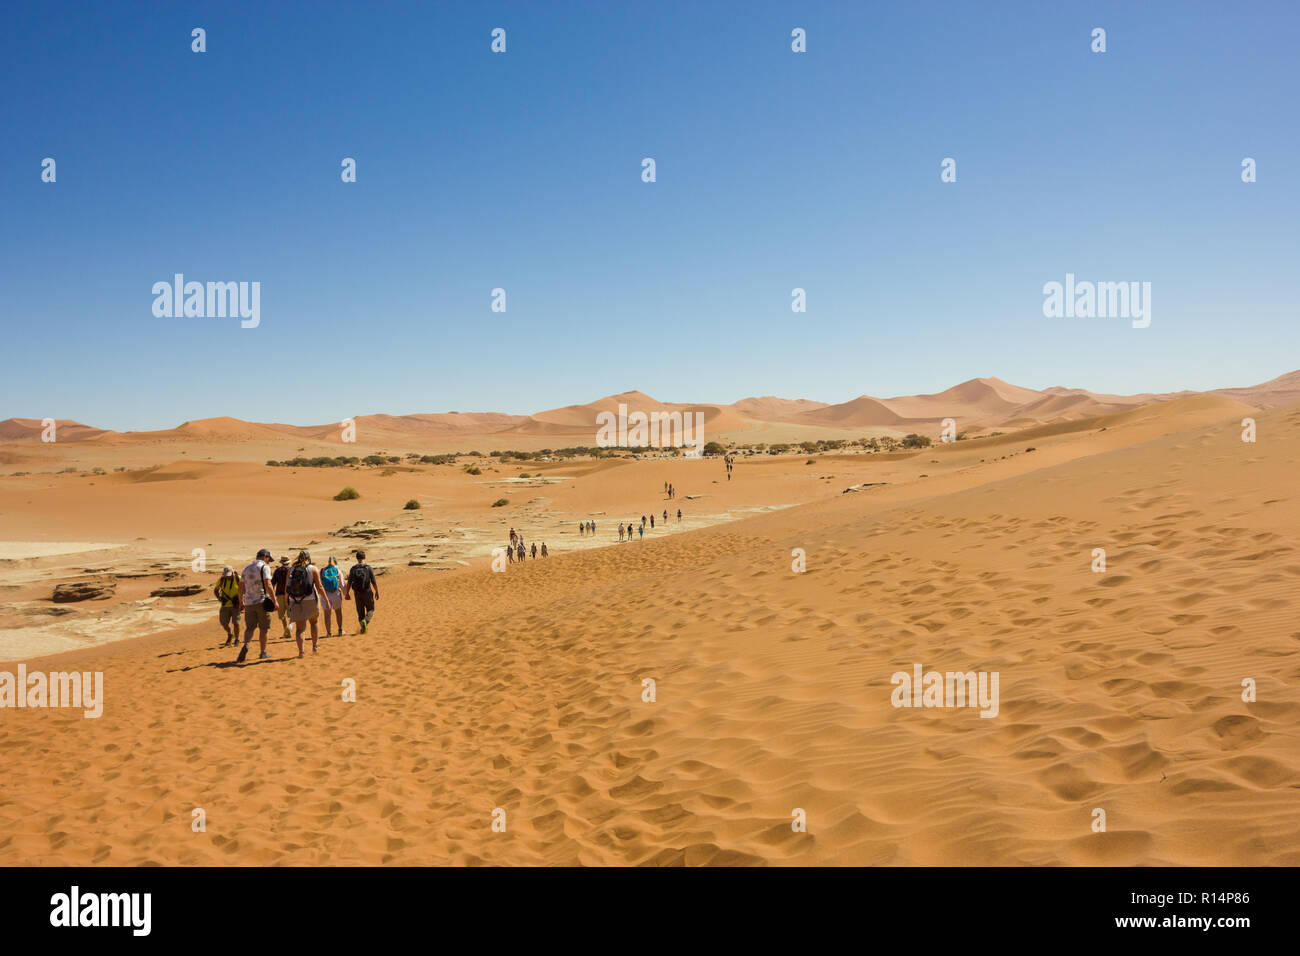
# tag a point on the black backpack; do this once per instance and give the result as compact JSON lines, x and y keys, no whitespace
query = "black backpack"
{"x":359,"y":578}
{"x":300,"y":583}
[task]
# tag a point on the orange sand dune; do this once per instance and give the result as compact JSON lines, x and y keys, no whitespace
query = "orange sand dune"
{"x":771,"y":409}
{"x":31,"y":429}
{"x":582,"y":419}
{"x":980,"y":399}
{"x":1283,"y":390}
{"x":1120,"y":691}
{"x":977,"y":404}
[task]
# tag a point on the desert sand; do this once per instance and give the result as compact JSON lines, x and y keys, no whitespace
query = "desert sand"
{"x":523,"y":691}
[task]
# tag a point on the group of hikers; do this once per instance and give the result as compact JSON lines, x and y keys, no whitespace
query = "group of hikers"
{"x":298,"y":592}
{"x":729,"y":461}
{"x":624,"y":531}
{"x":518,"y":550}
{"x":640,"y":529}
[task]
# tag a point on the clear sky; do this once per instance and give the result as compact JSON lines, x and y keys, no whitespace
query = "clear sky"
{"x":522,"y":170}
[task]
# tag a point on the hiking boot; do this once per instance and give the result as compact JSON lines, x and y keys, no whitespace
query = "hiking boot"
{"x":263,"y":656}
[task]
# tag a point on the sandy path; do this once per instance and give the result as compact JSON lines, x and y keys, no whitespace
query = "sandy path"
{"x":523,"y":691}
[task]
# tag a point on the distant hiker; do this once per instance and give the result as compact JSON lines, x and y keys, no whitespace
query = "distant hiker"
{"x":306,"y":598}
{"x":332,"y":581}
{"x":582,"y":527}
{"x":642,"y":532}
{"x":620,"y":531}
{"x":543,"y":549}
{"x":510,"y":553}
{"x":665,"y":516}
{"x":281,"y":579}
{"x":534,"y":550}
{"x":519,"y":552}
{"x":593,"y":527}
{"x":256,"y":592}
{"x":652,"y":521}
{"x":679,"y":514}
{"x":226,"y":592}
{"x":512,"y":537}
{"x":363,"y":588}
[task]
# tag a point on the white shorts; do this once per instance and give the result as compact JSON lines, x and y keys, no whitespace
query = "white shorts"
{"x":336,"y":599}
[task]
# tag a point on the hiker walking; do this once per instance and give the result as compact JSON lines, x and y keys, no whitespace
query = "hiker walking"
{"x":332,"y":581}
{"x":226,"y":592}
{"x":306,"y":598}
{"x":281,"y":579}
{"x":363,"y":588}
{"x":257,"y":596}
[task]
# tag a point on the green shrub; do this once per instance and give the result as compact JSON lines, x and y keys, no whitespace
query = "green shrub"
{"x":347,"y":494}
{"x":411,"y":505}
{"x":473,"y":470}
{"x":500,"y":502}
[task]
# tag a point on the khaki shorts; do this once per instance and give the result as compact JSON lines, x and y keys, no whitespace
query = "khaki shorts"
{"x":230,"y":616}
{"x":303,"y":611}
{"x":336,"y":599}
{"x":256,"y":616}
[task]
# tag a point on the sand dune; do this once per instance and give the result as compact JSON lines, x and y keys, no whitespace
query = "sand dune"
{"x":771,"y":409}
{"x":523,"y":691}
{"x":30,"y":430}
{"x":1283,"y":390}
{"x":979,"y":404}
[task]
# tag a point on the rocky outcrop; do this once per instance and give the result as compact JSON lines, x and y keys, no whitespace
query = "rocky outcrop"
{"x":82,"y":591}
{"x":177,"y":590}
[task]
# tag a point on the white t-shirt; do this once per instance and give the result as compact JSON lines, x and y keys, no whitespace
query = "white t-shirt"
{"x":256,"y":579}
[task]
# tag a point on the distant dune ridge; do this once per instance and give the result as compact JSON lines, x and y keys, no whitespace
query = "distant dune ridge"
{"x":979,"y":404}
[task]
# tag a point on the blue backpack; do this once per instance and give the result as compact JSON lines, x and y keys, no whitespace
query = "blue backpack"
{"x":330,"y":578}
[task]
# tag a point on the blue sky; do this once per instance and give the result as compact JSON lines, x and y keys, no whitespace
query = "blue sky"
{"x":523,"y":171}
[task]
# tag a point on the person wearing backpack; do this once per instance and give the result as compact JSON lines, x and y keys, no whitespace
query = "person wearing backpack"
{"x":281,"y":580}
{"x":332,"y":581}
{"x":363,"y":588}
{"x":227,"y":593}
{"x":306,"y":597}
{"x":257,"y":595}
